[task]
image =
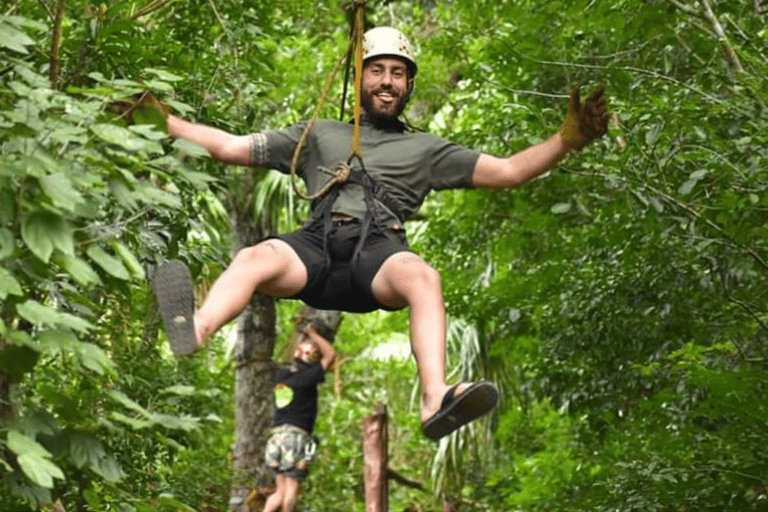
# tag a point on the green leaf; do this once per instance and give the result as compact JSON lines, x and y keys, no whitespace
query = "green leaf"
{"x":33,"y":459}
{"x":122,"y":398}
{"x":7,"y":243}
{"x":37,"y":235}
{"x":109,"y":263}
{"x":59,"y":188}
{"x":91,"y":356}
{"x":41,"y":315}
{"x":180,"y":390}
{"x":118,"y":135}
{"x":20,"y":444}
{"x":40,"y":470}
{"x":135,"y":424}
{"x":190,"y":148}
{"x":91,"y":497}
{"x":87,"y":452}
{"x":169,"y":500}
{"x":164,"y":75}
{"x":44,"y":231}
{"x":79,"y":269}
{"x":14,"y":39}
{"x":8,"y":284}
{"x":134,"y":266}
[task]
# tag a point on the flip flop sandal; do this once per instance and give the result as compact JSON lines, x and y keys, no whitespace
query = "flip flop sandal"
{"x":457,"y":410}
{"x":176,"y":299}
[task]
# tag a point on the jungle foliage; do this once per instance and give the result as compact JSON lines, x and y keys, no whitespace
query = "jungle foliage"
{"x":620,"y":301}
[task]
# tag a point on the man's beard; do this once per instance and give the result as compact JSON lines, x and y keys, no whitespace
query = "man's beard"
{"x":377,"y":117}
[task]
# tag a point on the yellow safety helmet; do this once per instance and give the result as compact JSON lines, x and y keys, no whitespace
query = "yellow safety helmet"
{"x":382,"y":41}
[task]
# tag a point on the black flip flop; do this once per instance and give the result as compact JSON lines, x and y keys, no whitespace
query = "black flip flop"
{"x":176,"y":299}
{"x":455,"y":411}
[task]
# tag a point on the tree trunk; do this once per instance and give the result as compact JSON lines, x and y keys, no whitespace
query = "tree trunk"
{"x":254,"y":369}
{"x":326,"y":322}
{"x":254,"y":401}
{"x":376,"y":460}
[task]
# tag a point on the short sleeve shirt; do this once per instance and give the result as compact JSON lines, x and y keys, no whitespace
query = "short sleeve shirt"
{"x":296,"y":394}
{"x":408,"y":165}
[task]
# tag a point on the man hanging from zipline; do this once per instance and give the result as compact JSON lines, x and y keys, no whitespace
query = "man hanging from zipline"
{"x":352,"y":254}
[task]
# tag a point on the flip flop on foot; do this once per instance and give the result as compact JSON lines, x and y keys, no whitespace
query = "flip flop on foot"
{"x":176,"y":299}
{"x":458,"y":410}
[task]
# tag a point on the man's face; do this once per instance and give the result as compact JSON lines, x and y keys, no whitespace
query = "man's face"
{"x":386,"y":88}
{"x":305,"y":351}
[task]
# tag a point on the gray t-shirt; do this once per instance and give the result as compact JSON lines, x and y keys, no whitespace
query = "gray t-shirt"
{"x":408,"y":165}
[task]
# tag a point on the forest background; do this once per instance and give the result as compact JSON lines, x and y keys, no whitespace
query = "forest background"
{"x":620,"y":301}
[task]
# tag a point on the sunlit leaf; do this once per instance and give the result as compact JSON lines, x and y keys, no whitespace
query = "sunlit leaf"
{"x":8,"y":284}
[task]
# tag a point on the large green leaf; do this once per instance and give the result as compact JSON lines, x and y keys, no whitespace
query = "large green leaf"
{"x":130,"y":260}
{"x":109,"y":263}
{"x":44,"y":231}
{"x":89,"y":355}
{"x":59,"y":188}
{"x":8,"y":284}
{"x":87,"y":452}
{"x":13,"y":38}
{"x":44,"y":316}
{"x":40,"y":469}
{"x":79,"y":269}
{"x":7,"y":243}
{"x":119,"y":136}
{"x":33,"y":459}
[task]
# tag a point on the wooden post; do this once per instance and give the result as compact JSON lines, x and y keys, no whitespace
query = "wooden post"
{"x":375,"y":457}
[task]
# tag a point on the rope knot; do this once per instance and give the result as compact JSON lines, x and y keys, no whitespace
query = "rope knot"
{"x":341,"y":172}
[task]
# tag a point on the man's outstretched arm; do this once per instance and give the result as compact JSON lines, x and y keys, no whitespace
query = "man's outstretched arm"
{"x":585,"y":122}
{"x":223,"y":146}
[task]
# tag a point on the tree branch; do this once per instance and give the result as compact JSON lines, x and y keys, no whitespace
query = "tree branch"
{"x":652,"y":73}
{"x":397,"y":477}
{"x":718,"y":28}
{"x":685,"y":8}
{"x":55,"y":62}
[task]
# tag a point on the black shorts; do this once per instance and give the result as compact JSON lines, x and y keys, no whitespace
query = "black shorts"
{"x":344,"y":285}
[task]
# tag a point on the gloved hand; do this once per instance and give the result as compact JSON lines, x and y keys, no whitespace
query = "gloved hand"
{"x":143,"y":108}
{"x":585,"y":122}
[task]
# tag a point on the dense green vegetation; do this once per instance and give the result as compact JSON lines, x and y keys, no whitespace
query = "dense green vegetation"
{"x":621,"y":301}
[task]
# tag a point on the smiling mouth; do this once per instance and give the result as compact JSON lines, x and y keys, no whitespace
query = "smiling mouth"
{"x":385,"y":96}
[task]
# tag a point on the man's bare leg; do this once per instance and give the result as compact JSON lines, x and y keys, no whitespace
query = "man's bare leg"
{"x":290,"y":494}
{"x":406,"y":279}
{"x":271,"y":267}
{"x":275,"y":500}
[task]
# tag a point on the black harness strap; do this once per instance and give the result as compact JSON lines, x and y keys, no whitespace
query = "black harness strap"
{"x":373,"y":190}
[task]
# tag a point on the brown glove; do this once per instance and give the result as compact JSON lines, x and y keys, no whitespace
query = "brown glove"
{"x":143,"y":108}
{"x":585,"y":122}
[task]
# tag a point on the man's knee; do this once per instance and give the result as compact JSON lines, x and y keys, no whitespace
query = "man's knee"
{"x":403,"y":278}
{"x":261,"y":252}
{"x":415,"y":272}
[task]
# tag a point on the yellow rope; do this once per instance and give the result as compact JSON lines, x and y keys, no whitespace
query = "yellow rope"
{"x":341,"y":172}
{"x":359,"y":23}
